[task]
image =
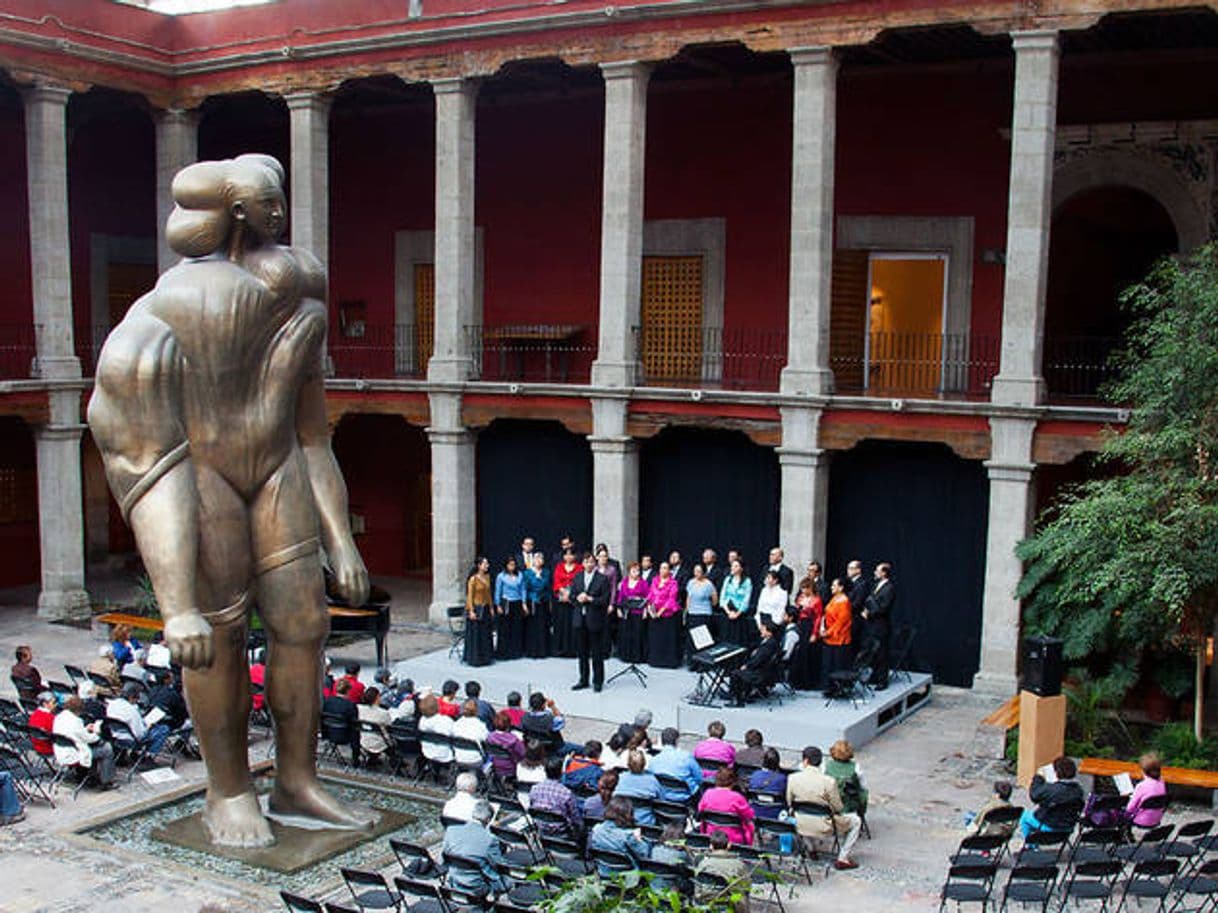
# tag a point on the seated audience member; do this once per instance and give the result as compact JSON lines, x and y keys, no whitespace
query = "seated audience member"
{"x":594,"y":806}
{"x":1001,"y":799}
{"x":461,"y":805}
{"x":514,"y":710}
{"x":369,"y":710}
{"x":544,"y":723}
{"x":136,"y":670}
{"x":642,"y":720}
{"x":769,"y":779}
{"x":1058,"y":805}
{"x":715,"y":748}
{"x":433,"y":721}
{"x":89,"y":749}
{"x":753,"y":751}
{"x":669,"y":850}
{"x":258,"y":679}
{"x":584,"y":767}
{"x":1151,"y":785}
{"x":165,"y":697}
{"x":672,"y":761}
{"x":613,"y":755}
{"x":94,"y":707}
{"x":758,"y":670}
{"x":616,"y":834}
{"x":328,"y":688}
{"x":340,"y":719}
{"x":474,"y":841}
{"x":552,"y":796}
{"x":392,"y":692}
{"x":125,"y":708}
{"x":486,"y":712}
{"x":638,"y":783}
{"x":723,"y":862}
{"x":124,"y":644}
{"x":105,"y":667}
{"x":26,"y":679}
{"x":158,"y":657}
{"x":510,"y":742}
{"x":43,"y":720}
{"x":532,"y":768}
{"x":11,"y":809}
{"x":355,"y":689}
{"x":469,"y":726}
{"x":722,"y":797}
{"x":449,"y":703}
{"x":811,"y":784}
{"x":845,"y":771}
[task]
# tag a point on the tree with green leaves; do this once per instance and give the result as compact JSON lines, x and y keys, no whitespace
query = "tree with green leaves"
{"x":1125,"y":567}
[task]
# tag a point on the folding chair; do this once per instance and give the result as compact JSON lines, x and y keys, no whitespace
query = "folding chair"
{"x":762,"y":875}
{"x":75,"y":674}
{"x":902,"y":643}
{"x":771,"y":833}
{"x":565,"y":855}
{"x":711,"y":887}
{"x":1154,"y":803}
{"x":1006,"y":815}
{"x":469,"y":755}
{"x":1187,"y":844}
{"x":370,"y":891}
{"x":500,"y":784}
{"x":819,"y":810}
{"x":407,"y":751}
{"x":104,"y":685}
{"x":421,"y":896}
{"x":10,"y":710}
{"x":460,"y":900}
{"x":711,"y":821}
{"x":62,"y":690}
{"x":671,"y":784}
{"x":84,"y":775}
{"x":415,"y":860}
{"x":454,"y":862}
{"x":506,"y":906}
{"x":548,"y":821}
{"x":127,"y":748}
{"x":523,"y":890}
{"x":1030,"y":884}
{"x":1091,"y":881}
{"x":1042,"y":848}
{"x":1150,"y":880}
{"x":675,"y":873}
{"x":441,"y":772}
{"x":516,"y":846}
{"x":851,"y":684}
{"x":1095,"y":845}
{"x":980,"y":849}
{"x":299,"y":904}
{"x":1149,"y":847}
{"x":611,"y":861}
{"x":968,"y":884}
{"x":1201,"y":885}
{"x":710,"y":766}
{"x":334,"y":727}
{"x":332,"y":907}
{"x":670,"y":812}
{"x":31,"y":783}
{"x":456,"y":630}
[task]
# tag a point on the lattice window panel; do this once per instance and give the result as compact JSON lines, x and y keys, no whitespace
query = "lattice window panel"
{"x":424,"y":312}
{"x":672,"y":318}
{"x":848,"y":318}
{"x":18,"y":495}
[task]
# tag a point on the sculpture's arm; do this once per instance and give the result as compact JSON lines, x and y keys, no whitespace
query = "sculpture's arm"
{"x":329,"y":490}
{"x":135,"y":415}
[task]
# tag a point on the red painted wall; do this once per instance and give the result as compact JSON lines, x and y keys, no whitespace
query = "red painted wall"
{"x":16,"y":304}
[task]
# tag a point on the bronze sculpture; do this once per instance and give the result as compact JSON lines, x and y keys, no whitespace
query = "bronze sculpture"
{"x":209,"y":411}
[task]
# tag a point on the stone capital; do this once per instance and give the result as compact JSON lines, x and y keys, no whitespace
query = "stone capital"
{"x":453,"y":85}
{"x":614,"y":445}
{"x":816,"y":56}
{"x":810,"y":459}
{"x":1044,"y":40}
{"x":625,"y":69}
{"x":47,"y":92}
{"x":317,"y":101}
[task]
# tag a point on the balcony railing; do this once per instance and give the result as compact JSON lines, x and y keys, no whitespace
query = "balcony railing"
{"x":918,"y":364}
{"x":17,"y":350}
{"x":533,"y":352}
{"x":1077,"y":366}
{"x":711,"y":357}
{"x":379,"y":351}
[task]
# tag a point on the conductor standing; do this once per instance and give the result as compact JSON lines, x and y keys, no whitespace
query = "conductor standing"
{"x":590,"y":593}
{"x":877,"y":612}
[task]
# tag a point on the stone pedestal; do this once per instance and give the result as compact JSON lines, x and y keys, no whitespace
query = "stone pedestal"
{"x":1042,"y":733}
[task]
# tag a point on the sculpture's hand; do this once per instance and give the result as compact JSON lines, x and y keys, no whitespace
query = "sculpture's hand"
{"x":350,"y":575}
{"x":188,"y":637}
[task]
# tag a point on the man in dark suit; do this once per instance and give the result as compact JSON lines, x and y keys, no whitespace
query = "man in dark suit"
{"x":857,"y":589}
{"x":877,"y":612}
{"x":590,"y":597}
{"x":566,"y":542}
{"x":786,"y":576}
{"x":524,"y":557}
{"x":713,"y":568}
{"x":820,"y":586}
{"x":758,"y":666}
{"x":680,"y":572}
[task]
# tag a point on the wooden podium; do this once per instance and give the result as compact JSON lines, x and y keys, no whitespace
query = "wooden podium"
{"x":1042,"y":733}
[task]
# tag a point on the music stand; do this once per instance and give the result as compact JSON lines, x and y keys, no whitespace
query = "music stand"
{"x":632,"y":668}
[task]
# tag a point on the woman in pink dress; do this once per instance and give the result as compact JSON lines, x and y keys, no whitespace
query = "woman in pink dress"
{"x":664,"y":627}
{"x":631,"y":602}
{"x":722,"y":797}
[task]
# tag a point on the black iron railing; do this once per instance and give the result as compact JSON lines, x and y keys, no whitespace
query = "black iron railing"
{"x":918,"y":364}
{"x":380,"y":350}
{"x":532,"y":352}
{"x":1077,"y":366}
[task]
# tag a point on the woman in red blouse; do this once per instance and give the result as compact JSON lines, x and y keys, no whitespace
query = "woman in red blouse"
{"x":563,"y":640}
{"x":805,"y":669}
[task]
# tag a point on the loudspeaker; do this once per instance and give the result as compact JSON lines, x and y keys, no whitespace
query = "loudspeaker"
{"x":1042,"y":666}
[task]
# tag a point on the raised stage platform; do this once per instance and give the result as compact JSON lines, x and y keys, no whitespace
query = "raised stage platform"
{"x":792,"y":722}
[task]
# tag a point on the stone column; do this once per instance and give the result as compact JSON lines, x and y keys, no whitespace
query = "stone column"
{"x":804,"y":504}
{"x":177,"y":145}
{"x":1029,"y":212}
{"x":60,"y":506}
{"x":617,"y":359}
{"x":453,"y":504}
{"x":811,"y":267}
{"x":309,"y":114}
{"x":456,"y":101}
{"x":615,"y":479}
{"x":1012,"y":502}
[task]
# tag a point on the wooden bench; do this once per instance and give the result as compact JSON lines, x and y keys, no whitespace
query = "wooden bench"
{"x":1005,"y":717}
{"x":1179,"y":776}
{"x":132,"y":621}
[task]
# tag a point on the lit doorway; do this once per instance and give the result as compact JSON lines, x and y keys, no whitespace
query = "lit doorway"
{"x":906,"y":308}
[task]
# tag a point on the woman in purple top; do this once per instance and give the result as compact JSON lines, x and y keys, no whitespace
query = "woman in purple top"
{"x":1151,"y":785}
{"x":508,"y":740}
{"x":715,"y":748}
{"x":664,"y":629}
{"x":631,"y":603}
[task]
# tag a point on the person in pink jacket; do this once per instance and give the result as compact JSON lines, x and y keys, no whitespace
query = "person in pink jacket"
{"x":722,"y":797}
{"x":1150,"y":785}
{"x":664,"y":625}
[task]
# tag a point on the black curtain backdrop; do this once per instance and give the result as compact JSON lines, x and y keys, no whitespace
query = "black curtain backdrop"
{"x":925,"y":510}
{"x":534,"y":479}
{"x":703,"y":489}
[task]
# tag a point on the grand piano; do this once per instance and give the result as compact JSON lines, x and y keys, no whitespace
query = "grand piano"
{"x":370,"y":619}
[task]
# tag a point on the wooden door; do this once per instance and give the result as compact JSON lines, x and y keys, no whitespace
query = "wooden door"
{"x":848,"y":319}
{"x":672,"y":319}
{"x":424,"y":314}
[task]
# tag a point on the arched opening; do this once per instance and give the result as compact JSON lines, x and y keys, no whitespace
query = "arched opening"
{"x":1102,"y":240}
{"x":19,"y":552}
{"x":924,"y":509}
{"x":708,"y":489}
{"x":534,"y":479}
{"x":386,"y":462}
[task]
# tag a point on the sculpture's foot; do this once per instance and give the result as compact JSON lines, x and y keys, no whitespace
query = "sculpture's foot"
{"x":309,"y":800}
{"x":237,"y":821}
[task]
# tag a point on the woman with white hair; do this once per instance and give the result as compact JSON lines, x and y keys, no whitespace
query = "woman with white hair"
{"x":105,"y":667}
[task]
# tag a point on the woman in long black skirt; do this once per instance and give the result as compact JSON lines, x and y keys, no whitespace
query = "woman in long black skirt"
{"x":664,"y":625}
{"x":537,"y":608}
{"x":736,"y":600}
{"x":631,"y":604}
{"x":805,"y":666}
{"x":479,"y":640}
{"x":509,"y":611}
{"x":562,"y":642}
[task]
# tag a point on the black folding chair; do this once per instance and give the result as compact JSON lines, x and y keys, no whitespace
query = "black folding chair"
{"x":127,"y":748}
{"x":10,"y":710}
{"x":297,"y":903}
{"x":968,"y":884}
{"x":332,"y":907}
{"x":1091,"y":882}
{"x":335,"y":741}
{"x":1150,"y":880}
{"x":899,"y":650}
{"x":710,"y":821}
{"x":76,"y":674}
{"x":1030,"y":884}
{"x":84,"y":775}
{"x":441,"y":772}
{"x":762,"y":876}
{"x":370,"y":891}
{"x":30,"y":782}
{"x":1199,"y":889}
{"x":421,"y":896}
{"x":772,"y":833}
{"x":500,"y":784}
{"x":819,"y":810}
{"x":407,"y":750}
{"x":1042,"y":848}
{"x":565,"y":855}
{"x":852,"y":684}
{"x":1187,"y":844}
{"x":516,"y":846}
{"x":1095,"y":845}
{"x":1149,"y":847}
{"x":676,"y":874}
{"x":469,"y":755}
{"x":980,"y":849}
{"x":671,"y":784}
{"x":709,"y":887}
{"x":612,"y":861}
{"x":472,"y":867}
{"x":415,"y":860}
